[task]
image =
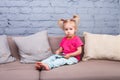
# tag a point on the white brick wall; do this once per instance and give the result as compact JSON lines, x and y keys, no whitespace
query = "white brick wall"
{"x":24,"y":17}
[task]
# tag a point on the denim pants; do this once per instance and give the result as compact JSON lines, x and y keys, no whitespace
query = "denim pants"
{"x":58,"y":60}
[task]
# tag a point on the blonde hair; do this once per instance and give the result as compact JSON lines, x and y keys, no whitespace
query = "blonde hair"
{"x":75,"y":19}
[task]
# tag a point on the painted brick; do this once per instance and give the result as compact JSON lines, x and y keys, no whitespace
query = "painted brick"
{"x":86,"y":17}
{"x":10,"y":3}
{"x":42,"y":3}
{"x":25,"y":10}
{"x":43,"y":24}
{"x":25,"y":17}
{"x":33,"y":30}
{"x":59,"y":3}
{"x":2,"y":31}
{"x":17,"y":16}
{"x":40,"y":17}
{"x":86,"y":24}
{"x":2,"y":17}
{"x":3,"y":24}
{"x":15,"y":31}
{"x":56,"y":31}
{"x":17,"y":24}
{"x":60,"y":10}
{"x":43,"y":10}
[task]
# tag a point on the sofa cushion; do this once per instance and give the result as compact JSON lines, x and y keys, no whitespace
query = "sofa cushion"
{"x":101,"y":46}
{"x":34,"y":47}
{"x":18,"y":71}
{"x":5,"y":54}
{"x":88,"y":70}
{"x":19,"y":75}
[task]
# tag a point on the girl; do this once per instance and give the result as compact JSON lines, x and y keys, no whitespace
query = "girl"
{"x":70,"y":47}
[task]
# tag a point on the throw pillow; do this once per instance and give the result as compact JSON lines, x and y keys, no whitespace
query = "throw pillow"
{"x":34,"y":47}
{"x":5,"y":54}
{"x":101,"y":46}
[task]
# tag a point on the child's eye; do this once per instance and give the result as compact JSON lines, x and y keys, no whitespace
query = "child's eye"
{"x":70,"y":28}
{"x":66,"y":29}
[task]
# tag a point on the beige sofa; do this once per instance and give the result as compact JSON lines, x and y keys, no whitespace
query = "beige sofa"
{"x":84,"y":70}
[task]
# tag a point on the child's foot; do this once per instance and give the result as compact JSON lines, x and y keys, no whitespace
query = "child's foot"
{"x":38,"y":65}
{"x":45,"y":66}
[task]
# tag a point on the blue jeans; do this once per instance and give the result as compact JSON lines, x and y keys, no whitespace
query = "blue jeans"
{"x":58,"y":60}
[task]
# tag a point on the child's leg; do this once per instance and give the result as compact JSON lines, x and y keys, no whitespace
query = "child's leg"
{"x":71,"y":60}
{"x":38,"y":64}
{"x":47,"y":62}
{"x":51,"y":58}
{"x":63,"y":61}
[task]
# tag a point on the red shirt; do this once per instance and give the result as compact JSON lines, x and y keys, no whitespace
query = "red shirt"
{"x":71,"y":45}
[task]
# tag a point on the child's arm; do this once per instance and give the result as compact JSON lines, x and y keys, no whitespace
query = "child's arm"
{"x":58,"y":51}
{"x":78,"y":52}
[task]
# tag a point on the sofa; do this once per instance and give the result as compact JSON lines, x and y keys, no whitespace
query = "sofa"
{"x":92,"y":69}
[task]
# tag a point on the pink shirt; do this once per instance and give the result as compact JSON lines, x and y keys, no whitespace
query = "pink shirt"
{"x":71,"y":45}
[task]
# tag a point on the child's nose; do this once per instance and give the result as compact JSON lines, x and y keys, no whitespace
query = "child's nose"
{"x":68,"y":31}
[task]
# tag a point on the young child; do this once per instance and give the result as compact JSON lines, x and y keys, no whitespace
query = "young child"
{"x":70,"y":47}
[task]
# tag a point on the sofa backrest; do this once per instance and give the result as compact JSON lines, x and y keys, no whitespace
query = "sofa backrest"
{"x":53,"y":41}
{"x":13,"y":48}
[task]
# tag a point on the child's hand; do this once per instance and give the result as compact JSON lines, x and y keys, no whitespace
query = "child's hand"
{"x":67,"y":56}
{"x":57,"y":52}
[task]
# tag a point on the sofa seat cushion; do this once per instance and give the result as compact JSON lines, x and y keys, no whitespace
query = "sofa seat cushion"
{"x":89,"y":70}
{"x":19,"y":75}
{"x":18,"y":71}
{"x":16,"y":66}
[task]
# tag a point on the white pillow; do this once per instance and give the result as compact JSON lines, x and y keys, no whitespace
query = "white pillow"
{"x":5,"y":54}
{"x":101,"y":46}
{"x":34,"y":47}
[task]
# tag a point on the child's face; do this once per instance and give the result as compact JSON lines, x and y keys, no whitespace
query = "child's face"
{"x":69,"y":29}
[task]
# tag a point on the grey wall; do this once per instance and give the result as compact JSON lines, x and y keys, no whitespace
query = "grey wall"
{"x":24,"y":17}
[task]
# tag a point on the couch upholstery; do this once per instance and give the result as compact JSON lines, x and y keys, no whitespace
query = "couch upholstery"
{"x":84,"y":70}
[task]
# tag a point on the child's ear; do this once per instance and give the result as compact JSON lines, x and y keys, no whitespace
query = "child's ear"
{"x":61,"y":22}
{"x":76,"y":18}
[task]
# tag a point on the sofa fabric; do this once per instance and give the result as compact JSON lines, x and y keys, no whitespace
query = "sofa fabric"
{"x":13,"y":48}
{"x":84,"y":70}
{"x":101,"y":46}
{"x":18,"y":71}
{"x":89,"y":70}
{"x":34,"y":47}
{"x":5,"y":54}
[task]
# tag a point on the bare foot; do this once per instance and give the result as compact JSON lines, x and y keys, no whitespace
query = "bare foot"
{"x":45,"y":66}
{"x":38,"y":65}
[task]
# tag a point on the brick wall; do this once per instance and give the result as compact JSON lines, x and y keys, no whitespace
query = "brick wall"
{"x":24,"y":17}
